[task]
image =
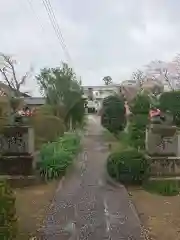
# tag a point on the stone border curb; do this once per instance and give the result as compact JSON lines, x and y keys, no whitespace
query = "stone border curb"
{"x":59,"y":187}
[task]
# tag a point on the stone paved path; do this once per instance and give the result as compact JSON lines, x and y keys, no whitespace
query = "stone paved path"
{"x":86,"y":207}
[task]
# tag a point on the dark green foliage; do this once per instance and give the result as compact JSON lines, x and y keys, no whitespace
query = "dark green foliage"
{"x":56,"y":157}
{"x":137,"y":131}
{"x":78,"y":113}
{"x":140,"y":105}
{"x":139,"y":120}
{"x":8,"y":220}
{"x":107,"y":80}
{"x":170,"y":101}
{"x":113,"y":117}
{"x":127,"y":166}
{"x":63,"y":91}
{"x":163,"y":187}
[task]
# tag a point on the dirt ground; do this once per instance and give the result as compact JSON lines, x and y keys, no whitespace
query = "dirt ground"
{"x":160,"y":215}
{"x":31,"y":205}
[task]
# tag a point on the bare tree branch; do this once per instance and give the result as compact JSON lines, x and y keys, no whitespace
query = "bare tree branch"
{"x":9,"y":74}
{"x":10,"y":63}
{"x":167,"y":80}
{"x":139,"y":77}
{"x":6,"y":78}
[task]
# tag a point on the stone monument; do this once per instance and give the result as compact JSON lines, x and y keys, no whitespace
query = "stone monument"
{"x":17,"y":151}
{"x":162,"y":147}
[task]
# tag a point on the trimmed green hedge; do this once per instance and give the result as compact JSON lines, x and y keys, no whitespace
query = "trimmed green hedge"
{"x":113,"y":115}
{"x":140,"y":105}
{"x":127,"y":166}
{"x":137,"y":131}
{"x":139,"y":120}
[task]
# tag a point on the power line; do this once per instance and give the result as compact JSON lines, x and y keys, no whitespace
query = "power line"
{"x":56,"y":28}
{"x":53,"y":20}
{"x":40,"y":23}
{"x":35,"y":14}
{"x":59,"y":32}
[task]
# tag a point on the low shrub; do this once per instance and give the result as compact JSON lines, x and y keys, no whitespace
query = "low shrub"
{"x":137,"y":131}
{"x":163,"y":187}
{"x":8,"y":220}
{"x":139,"y":119}
{"x":55,"y":157}
{"x":48,"y":128}
{"x":140,"y":105}
{"x":127,"y":166}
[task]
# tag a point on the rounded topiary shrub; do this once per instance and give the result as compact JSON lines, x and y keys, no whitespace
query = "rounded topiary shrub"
{"x":140,"y":105}
{"x":140,"y":111}
{"x":128,"y":166}
{"x":8,"y":220}
{"x":113,"y":115}
{"x":137,"y":131}
{"x":47,"y":127}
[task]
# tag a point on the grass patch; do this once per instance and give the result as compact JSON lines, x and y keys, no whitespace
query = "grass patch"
{"x":163,"y":187}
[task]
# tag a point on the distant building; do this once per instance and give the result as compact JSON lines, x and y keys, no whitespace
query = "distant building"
{"x":94,"y":95}
{"x":34,"y":102}
{"x":101,"y":91}
{"x":129,"y":83}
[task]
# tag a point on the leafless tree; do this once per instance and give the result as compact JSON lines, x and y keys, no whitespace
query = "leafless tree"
{"x":167,"y":79}
{"x":8,"y":71}
{"x":176,"y":62}
{"x":162,"y":74}
{"x":139,"y":77}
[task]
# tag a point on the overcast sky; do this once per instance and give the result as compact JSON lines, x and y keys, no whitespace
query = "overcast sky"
{"x":104,"y":37}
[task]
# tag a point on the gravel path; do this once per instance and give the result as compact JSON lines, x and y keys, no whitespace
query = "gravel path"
{"x":86,"y":207}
